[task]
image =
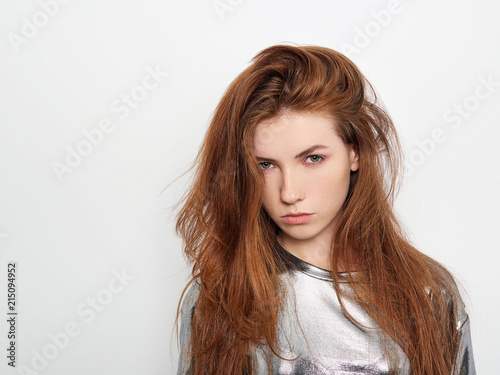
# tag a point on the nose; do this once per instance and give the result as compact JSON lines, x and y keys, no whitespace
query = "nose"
{"x":291,"y":187}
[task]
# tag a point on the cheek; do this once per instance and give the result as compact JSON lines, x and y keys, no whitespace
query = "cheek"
{"x":270,"y":196}
{"x":330,"y":189}
{"x":268,"y":201}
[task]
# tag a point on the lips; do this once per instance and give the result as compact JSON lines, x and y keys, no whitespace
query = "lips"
{"x":297,"y":218}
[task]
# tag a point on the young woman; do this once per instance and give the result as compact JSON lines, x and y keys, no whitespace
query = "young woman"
{"x":300,"y":265}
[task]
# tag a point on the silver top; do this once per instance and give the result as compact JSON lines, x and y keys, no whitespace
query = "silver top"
{"x":316,"y":337}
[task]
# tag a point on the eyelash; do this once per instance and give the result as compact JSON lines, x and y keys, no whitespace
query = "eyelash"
{"x":321,"y":158}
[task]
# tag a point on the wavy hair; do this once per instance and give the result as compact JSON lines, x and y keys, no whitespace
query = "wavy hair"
{"x":230,"y":240}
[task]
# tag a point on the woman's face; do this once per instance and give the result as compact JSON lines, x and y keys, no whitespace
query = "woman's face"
{"x":306,"y":168}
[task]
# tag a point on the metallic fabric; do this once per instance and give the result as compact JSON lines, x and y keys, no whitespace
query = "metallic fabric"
{"x":315,"y":335}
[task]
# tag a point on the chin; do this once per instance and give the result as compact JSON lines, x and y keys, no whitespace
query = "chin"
{"x":299,"y":235}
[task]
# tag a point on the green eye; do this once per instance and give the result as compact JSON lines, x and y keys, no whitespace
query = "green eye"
{"x":315,"y":158}
{"x":265,"y":165}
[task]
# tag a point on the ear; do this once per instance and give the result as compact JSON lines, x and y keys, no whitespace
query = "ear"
{"x":354,"y":157}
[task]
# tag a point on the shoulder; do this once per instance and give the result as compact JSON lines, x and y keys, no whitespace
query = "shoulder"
{"x":190,"y":298}
{"x":186,"y":313}
{"x":450,"y":293}
{"x":448,"y":289}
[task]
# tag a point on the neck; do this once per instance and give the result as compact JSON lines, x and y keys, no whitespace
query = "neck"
{"x":315,"y":252}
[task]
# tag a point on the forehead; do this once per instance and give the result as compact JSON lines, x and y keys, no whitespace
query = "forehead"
{"x":295,"y":130}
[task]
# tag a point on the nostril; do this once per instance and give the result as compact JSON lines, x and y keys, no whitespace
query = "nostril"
{"x":289,"y":195}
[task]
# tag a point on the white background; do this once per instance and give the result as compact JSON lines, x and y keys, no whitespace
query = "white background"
{"x":109,"y":214}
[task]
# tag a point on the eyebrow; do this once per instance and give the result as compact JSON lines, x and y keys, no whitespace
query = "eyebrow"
{"x":299,"y":155}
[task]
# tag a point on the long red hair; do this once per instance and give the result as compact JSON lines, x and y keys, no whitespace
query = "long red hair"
{"x":230,"y":239}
